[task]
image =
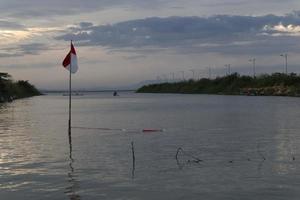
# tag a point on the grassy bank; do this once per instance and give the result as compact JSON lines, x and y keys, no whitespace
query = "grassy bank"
{"x":276,"y":84}
{"x":10,"y":90}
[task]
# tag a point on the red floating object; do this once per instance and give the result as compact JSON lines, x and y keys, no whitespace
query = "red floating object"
{"x":152,"y":130}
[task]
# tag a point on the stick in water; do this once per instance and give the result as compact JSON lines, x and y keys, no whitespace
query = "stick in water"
{"x":259,"y":152}
{"x":133,"y":159}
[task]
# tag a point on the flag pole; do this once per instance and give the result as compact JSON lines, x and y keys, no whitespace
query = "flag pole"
{"x":70,"y":95}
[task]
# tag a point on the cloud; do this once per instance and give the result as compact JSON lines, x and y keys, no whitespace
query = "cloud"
{"x":39,"y":65}
{"x":38,"y":8}
{"x":280,"y":30}
{"x":8,"y":25}
{"x":23,"y":49}
{"x":33,"y":48}
{"x":134,"y":57}
{"x":219,"y":33}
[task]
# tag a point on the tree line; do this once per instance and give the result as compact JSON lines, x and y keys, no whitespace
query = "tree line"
{"x":10,"y":90}
{"x":278,"y":84}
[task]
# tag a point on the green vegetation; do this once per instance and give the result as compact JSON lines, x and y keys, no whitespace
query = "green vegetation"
{"x":10,"y":90}
{"x":276,"y":84}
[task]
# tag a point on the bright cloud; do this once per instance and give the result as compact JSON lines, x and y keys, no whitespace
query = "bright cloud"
{"x":12,"y":36}
{"x":280,"y":29}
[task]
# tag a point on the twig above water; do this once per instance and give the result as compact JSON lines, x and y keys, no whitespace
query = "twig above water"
{"x":133,"y":159}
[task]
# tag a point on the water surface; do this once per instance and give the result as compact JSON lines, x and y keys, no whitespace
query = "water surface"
{"x":248,"y":147}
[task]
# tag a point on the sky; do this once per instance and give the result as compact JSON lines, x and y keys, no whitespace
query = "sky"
{"x":123,"y":43}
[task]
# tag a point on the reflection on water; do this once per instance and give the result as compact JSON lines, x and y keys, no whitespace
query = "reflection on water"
{"x":233,"y":148}
{"x":72,"y":190}
{"x":285,"y":153}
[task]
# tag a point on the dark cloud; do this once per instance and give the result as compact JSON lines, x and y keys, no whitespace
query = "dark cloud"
{"x":23,"y":49}
{"x":11,"y":25}
{"x":7,"y":55}
{"x":135,"y":57}
{"x":38,"y":8}
{"x":85,"y":24}
{"x":219,"y":33}
{"x":41,"y":65}
{"x":33,"y":48}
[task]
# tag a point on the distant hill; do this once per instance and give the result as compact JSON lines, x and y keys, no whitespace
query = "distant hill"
{"x":276,"y":84}
{"x":10,"y":90}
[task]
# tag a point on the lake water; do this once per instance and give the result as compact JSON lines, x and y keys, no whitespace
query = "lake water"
{"x":248,"y":147}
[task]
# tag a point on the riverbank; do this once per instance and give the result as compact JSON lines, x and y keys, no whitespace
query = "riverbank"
{"x":11,"y":90}
{"x":276,"y":84}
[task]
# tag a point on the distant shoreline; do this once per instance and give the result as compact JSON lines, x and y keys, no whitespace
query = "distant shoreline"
{"x":276,"y":84}
{"x":84,"y":91}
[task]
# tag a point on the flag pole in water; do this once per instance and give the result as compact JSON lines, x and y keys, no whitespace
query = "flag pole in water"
{"x":70,"y":63}
{"x":70,"y":94}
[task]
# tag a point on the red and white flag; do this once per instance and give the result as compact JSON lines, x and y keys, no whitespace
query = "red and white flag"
{"x":70,"y":61}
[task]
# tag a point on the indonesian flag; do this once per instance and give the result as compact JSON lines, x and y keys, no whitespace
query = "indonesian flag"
{"x":70,"y":61}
